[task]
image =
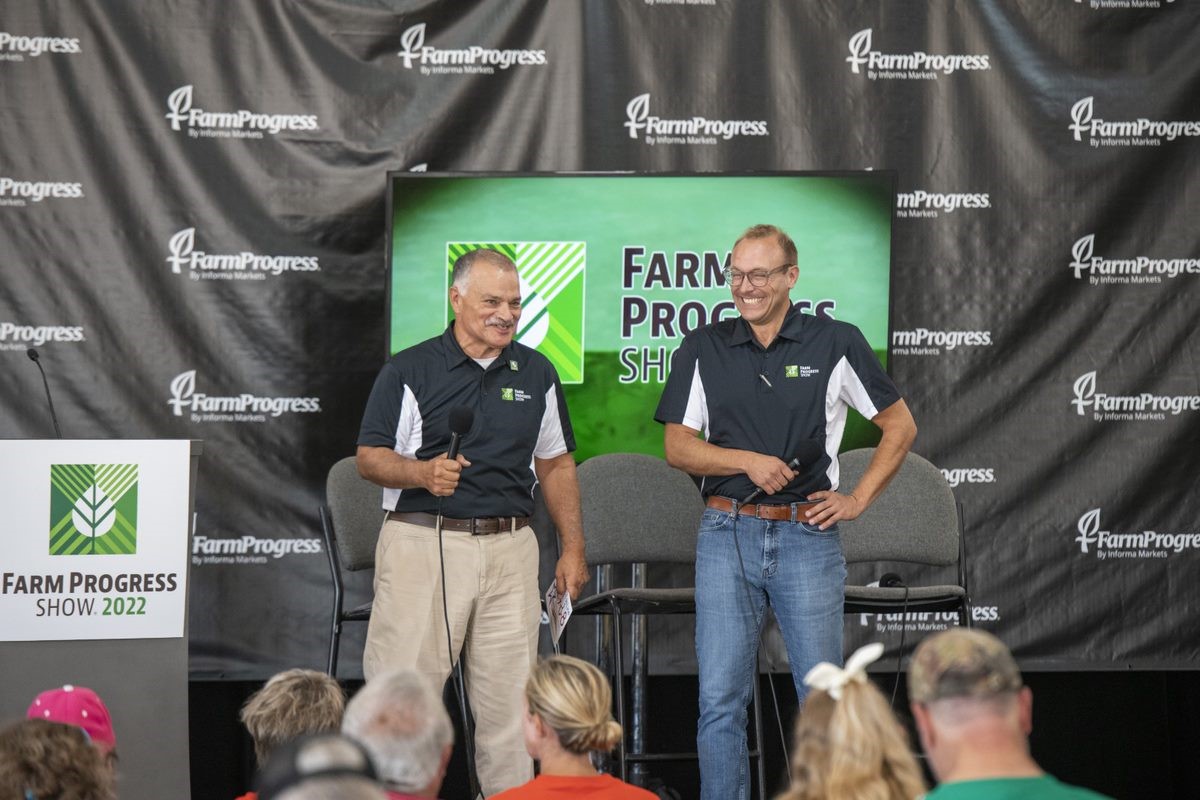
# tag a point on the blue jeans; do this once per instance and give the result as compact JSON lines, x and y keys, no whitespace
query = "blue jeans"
{"x":801,"y":572}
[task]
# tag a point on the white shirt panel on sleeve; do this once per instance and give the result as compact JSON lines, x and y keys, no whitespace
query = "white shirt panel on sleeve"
{"x":695,"y":416}
{"x":550,"y":441}
{"x":409,"y":433}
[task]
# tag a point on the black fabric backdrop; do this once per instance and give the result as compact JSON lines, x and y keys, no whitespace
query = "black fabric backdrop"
{"x":1045,"y":257}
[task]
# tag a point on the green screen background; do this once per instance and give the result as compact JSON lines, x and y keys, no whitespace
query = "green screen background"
{"x":841,"y":225}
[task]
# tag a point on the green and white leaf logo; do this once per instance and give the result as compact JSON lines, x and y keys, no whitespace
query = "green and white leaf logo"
{"x":552,"y":291}
{"x":93,"y":509}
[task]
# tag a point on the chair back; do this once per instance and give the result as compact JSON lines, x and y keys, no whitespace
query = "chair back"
{"x":914,"y":520}
{"x":636,"y":509}
{"x":356,"y":512}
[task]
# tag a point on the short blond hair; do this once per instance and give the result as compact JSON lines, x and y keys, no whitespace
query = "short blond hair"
{"x":574,"y":699}
{"x":852,"y":749}
{"x":292,"y":703}
{"x":784,"y":241}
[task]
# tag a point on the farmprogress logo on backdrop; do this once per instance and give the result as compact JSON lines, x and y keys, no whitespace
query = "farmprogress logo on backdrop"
{"x":552,"y":293}
{"x":1141,"y":407}
{"x":201,"y":265}
{"x":245,"y":407}
{"x":240,"y":124}
{"x":470,"y":60}
{"x":18,"y":47}
{"x":1141,"y":132}
{"x":17,"y":192}
{"x":1137,"y":544}
{"x":696,"y":130}
{"x":1137,"y":269}
{"x":93,"y":509}
{"x":921,"y":204}
{"x":926,"y":342}
{"x":907,"y":66}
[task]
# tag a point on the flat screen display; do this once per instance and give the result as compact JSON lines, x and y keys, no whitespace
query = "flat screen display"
{"x":616,"y":268}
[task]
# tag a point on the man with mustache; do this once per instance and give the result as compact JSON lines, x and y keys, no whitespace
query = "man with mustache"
{"x":766,"y":387}
{"x":521,"y":435}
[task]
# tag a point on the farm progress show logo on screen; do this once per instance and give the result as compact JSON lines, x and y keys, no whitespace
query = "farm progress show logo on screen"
{"x":93,"y":509}
{"x":552,"y":292}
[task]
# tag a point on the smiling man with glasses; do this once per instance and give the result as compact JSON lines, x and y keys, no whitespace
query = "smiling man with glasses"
{"x":744,"y":398}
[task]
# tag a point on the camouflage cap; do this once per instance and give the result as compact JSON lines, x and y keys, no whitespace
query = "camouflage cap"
{"x":961,"y":663}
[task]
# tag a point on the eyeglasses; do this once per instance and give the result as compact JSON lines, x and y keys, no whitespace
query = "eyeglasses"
{"x":758,"y":277}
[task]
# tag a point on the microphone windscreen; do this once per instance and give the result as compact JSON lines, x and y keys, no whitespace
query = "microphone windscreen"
{"x":33,"y":354}
{"x":461,"y":419}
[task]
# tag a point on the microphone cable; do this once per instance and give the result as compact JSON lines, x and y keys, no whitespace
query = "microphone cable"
{"x":890,"y":580}
{"x":794,"y":465}
{"x":461,"y":419}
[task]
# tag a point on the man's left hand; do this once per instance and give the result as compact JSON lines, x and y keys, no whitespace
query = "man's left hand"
{"x":571,"y":574}
{"x":830,"y":508}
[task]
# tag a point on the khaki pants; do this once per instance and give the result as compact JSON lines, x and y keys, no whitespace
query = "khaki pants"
{"x":494,"y":612}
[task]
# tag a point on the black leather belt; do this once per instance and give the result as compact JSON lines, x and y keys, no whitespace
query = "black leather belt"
{"x":476,"y":526}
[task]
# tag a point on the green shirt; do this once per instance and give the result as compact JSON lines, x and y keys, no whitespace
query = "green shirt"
{"x":1045,"y":787}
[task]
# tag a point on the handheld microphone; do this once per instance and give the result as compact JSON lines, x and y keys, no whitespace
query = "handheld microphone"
{"x":35,"y":358}
{"x":793,"y":465}
{"x":461,"y":419}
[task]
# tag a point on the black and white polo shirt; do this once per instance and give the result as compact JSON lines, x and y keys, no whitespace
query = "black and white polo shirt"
{"x":786,"y":400}
{"x":519,"y":413}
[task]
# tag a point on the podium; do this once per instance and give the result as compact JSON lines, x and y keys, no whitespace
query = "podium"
{"x":94,"y":568}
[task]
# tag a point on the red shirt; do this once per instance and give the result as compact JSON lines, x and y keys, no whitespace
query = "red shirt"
{"x":560,"y":787}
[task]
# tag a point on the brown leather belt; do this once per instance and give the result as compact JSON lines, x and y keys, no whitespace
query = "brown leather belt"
{"x":476,"y":526}
{"x":791,"y":512}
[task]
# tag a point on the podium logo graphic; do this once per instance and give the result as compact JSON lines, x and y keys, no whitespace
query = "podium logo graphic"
{"x":552,"y":292}
{"x":93,"y":509}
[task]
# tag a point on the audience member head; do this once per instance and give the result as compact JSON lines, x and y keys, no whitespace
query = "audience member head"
{"x":80,"y":706}
{"x":973,"y":712}
{"x":404,"y":726}
{"x":569,"y":705}
{"x":292,"y":703}
{"x":319,"y":766}
{"x":44,"y":760}
{"x":848,"y":742}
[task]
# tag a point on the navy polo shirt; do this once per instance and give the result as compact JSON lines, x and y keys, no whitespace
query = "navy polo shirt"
{"x":786,"y":400}
{"x":519,"y":413}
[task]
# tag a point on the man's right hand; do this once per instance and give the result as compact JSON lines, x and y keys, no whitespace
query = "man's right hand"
{"x":768,"y":472}
{"x":443,"y":474}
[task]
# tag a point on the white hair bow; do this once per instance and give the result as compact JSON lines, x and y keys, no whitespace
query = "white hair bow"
{"x":831,"y":678}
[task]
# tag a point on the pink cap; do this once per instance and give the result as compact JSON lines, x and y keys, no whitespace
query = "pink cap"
{"x":76,"y":705}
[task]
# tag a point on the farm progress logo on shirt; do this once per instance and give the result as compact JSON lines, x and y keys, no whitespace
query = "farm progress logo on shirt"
{"x":918,"y":65}
{"x":473,"y":60}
